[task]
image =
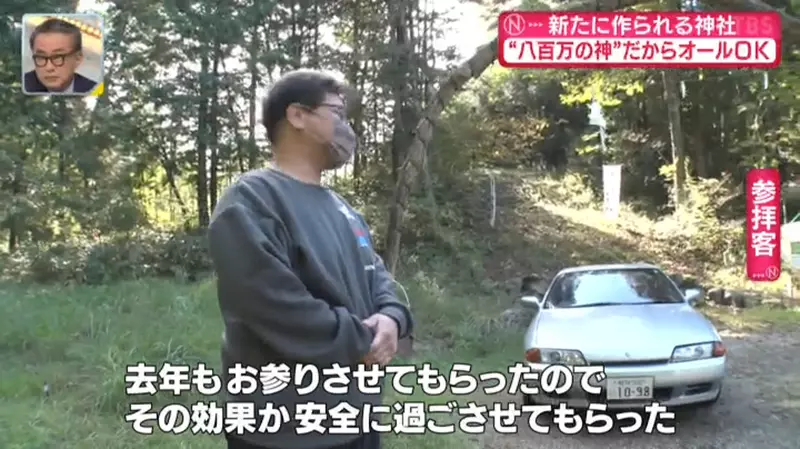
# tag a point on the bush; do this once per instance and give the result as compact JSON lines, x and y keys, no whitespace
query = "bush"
{"x":700,"y":231}
{"x":182,"y":255}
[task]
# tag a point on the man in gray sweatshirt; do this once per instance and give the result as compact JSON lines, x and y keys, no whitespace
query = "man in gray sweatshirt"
{"x":298,"y":280}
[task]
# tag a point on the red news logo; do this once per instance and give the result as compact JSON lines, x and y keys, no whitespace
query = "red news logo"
{"x":639,"y":40}
{"x":763,"y":224}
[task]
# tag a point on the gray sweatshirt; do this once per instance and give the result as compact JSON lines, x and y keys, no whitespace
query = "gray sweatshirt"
{"x":296,"y":275}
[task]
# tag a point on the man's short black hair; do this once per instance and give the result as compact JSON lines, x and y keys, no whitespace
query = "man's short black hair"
{"x":305,"y":87}
{"x":59,"y":26}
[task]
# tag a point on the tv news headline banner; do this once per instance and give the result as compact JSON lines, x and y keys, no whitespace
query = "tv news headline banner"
{"x":763,"y":186}
{"x":144,"y":381}
{"x":595,"y":40}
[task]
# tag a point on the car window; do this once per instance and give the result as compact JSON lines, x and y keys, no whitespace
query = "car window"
{"x":619,"y":286}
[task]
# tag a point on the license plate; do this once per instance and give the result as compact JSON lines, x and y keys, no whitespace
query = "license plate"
{"x":629,"y":388}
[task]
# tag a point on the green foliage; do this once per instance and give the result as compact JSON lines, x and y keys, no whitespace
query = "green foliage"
{"x":126,"y":256}
{"x":610,"y":88}
{"x":94,"y":191}
{"x":700,"y":225}
{"x":713,"y":238}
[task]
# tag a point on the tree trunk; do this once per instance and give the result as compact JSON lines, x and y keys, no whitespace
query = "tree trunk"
{"x":202,"y":146}
{"x":18,"y":189}
{"x":213,"y":126}
{"x":252,"y":62}
{"x":355,"y":78}
{"x":670,"y":80}
{"x":398,"y":16}
{"x":415,"y":154}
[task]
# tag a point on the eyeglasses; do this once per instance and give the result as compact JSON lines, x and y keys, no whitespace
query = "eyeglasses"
{"x":337,"y":109}
{"x":56,"y":60}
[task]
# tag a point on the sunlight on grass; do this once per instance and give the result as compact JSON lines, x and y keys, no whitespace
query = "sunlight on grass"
{"x":596,"y":219}
{"x":736,"y":278}
{"x":755,"y":319}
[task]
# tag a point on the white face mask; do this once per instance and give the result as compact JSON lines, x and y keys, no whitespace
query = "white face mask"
{"x":343,"y":144}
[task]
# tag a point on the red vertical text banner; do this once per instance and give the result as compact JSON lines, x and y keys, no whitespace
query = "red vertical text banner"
{"x":660,"y":40}
{"x":763,"y":224}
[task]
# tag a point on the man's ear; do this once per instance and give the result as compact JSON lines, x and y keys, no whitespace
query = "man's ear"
{"x":296,"y":116}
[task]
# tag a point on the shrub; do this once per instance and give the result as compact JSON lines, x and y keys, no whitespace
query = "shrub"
{"x":182,"y":255}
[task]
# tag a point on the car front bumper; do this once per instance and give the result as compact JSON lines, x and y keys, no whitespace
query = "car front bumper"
{"x":674,"y":384}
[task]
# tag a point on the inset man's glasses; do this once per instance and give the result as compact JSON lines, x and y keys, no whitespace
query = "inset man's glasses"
{"x":56,"y":60}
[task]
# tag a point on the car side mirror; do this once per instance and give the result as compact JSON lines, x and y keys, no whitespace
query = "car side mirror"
{"x":693,"y":295}
{"x":531,"y":301}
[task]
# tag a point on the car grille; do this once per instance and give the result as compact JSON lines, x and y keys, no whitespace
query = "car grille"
{"x":698,"y":388}
{"x":631,"y":363}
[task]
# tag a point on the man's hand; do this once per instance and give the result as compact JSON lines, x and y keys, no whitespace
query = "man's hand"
{"x":384,"y":345}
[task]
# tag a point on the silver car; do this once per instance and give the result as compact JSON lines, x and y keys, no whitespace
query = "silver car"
{"x":634,"y":321}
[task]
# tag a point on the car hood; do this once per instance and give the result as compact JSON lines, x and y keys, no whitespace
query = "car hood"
{"x":620,"y":333}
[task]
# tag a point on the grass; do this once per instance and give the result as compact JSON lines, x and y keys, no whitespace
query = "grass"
{"x":77,"y":341}
{"x":760,"y":318}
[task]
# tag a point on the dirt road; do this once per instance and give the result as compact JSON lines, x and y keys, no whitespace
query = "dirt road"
{"x":759,"y":408}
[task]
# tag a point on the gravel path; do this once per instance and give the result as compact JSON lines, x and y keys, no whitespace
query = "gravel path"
{"x":759,"y":408}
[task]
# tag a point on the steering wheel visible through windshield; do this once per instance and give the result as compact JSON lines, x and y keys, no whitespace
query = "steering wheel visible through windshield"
{"x":612,"y":287}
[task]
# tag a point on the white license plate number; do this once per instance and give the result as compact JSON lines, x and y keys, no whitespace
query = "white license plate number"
{"x":629,"y":388}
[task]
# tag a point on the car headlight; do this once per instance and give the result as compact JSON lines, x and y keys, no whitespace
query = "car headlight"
{"x":697,"y":351}
{"x":569,"y":357}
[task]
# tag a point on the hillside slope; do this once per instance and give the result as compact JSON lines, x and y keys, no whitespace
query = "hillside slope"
{"x":544,"y":224}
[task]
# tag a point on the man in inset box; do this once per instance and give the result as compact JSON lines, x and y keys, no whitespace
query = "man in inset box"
{"x":57,"y":49}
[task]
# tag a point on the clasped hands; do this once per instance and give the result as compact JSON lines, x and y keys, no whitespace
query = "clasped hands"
{"x":384,"y":344}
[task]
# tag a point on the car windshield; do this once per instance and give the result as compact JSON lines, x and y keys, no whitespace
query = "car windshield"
{"x":612,"y":287}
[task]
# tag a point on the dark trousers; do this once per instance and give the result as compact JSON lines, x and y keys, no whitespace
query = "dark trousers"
{"x":367,"y":441}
